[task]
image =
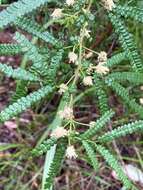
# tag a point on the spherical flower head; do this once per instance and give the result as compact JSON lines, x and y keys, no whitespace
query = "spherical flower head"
{"x":141,"y":101}
{"x":59,"y":132}
{"x":63,"y":88}
{"x":57,"y":13}
{"x":72,"y":57}
{"x":108,"y":4}
{"x":101,"y":69}
{"x":87,"y":81}
{"x":92,"y":124}
{"x":70,"y":152}
{"x":102,"y":57}
{"x":67,"y":113}
{"x":70,"y":2}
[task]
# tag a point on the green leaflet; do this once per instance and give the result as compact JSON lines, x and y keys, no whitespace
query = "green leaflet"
{"x":129,"y":12}
{"x":39,"y":64}
{"x":19,"y":73}
{"x":132,"y":77}
{"x":127,"y":42}
{"x":34,"y":28}
{"x":102,"y":97}
{"x":124,"y":94}
{"x":54,"y":66}
{"x":21,"y":90}
{"x":44,"y":147}
{"x":56,"y":163}
{"x":23,"y":103}
{"x":19,"y":9}
{"x":111,"y":160}
{"x":91,"y":154}
{"x":98,"y":125}
{"x":122,"y":131}
{"x":116,"y":59}
{"x":10,"y":49}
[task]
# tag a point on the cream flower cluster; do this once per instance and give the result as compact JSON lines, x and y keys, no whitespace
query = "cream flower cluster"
{"x":101,"y":69}
{"x":57,"y":13}
{"x":70,"y":2}
{"x":71,"y":153}
{"x":141,"y":101}
{"x":59,"y":132}
{"x":108,"y":4}
{"x":67,"y":113}
{"x":92,"y":124}
{"x":72,"y":57}
{"x":102,"y":59}
{"x":87,"y":81}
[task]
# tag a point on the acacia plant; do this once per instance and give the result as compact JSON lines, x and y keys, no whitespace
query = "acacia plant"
{"x":60,"y":59}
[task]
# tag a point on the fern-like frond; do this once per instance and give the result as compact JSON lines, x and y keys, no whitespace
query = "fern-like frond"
{"x":43,"y":147}
{"x":10,"y":49}
{"x":39,"y":64}
{"x":34,"y":28}
{"x":19,"y":9}
{"x":113,"y":163}
{"x":27,"y":46}
{"x":21,"y":90}
{"x":127,"y":42}
{"x":132,"y":77}
{"x":102,"y":98}
{"x":56,"y":163}
{"x":54,"y":66}
{"x":91,"y":155}
{"x":129,"y":12}
{"x":19,"y":73}
{"x":23,"y":103}
{"x":116,"y":59}
{"x":122,"y":131}
{"x":98,"y":125}
{"x":124,"y":94}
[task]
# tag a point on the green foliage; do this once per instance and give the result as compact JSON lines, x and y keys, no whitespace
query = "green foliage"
{"x":18,"y":9}
{"x":39,"y":64}
{"x":56,"y":164}
{"x":21,"y":90}
{"x":122,"y":131}
{"x":124,"y":94}
{"x":23,"y":103}
{"x":102,"y":97}
{"x":98,"y":125}
{"x":91,"y":154}
{"x":132,"y":77}
{"x":116,"y":59}
{"x":54,"y":66}
{"x":34,"y":28}
{"x":127,"y":42}
{"x":44,"y":147}
{"x":111,"y":160}
{"x":57,"y":60}
{"x":129,"y":12}
{"x":18,"y":73}
{"x":10,"y":49}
